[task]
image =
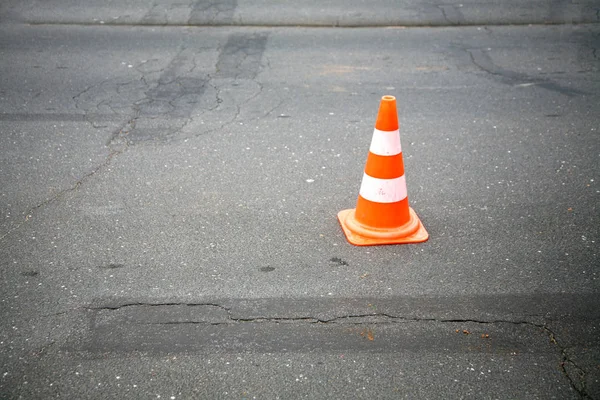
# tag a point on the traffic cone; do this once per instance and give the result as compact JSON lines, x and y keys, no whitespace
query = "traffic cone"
{"x":382,"y":214}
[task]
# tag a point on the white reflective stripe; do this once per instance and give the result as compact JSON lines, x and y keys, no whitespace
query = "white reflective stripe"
{"x":386,"y":143}
{"x":383,"y":190}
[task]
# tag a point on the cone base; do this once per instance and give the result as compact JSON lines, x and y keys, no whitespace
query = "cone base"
{"x":359,"y":235}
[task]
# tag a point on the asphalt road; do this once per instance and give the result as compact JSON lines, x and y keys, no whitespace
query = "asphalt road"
{"x":170,"y":177}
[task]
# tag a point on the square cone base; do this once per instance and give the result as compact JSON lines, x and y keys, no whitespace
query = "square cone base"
{"x":381,"y":237}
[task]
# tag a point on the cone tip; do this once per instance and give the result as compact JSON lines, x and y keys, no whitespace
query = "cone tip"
{"x":387,"y":117}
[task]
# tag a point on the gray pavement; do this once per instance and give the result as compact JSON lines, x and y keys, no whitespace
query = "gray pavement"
{"x":348,"y":13}
{"x":169,"y":197}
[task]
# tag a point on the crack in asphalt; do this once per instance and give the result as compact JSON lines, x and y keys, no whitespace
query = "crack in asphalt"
{"x":142,"y":304}
{"x":483,"y":61}
{"x":58,"y":195}
{"x":239,"y":59}
{"x":316,"y":320}
{"x":153,"y":14}
{"x":451,"y":14}
{"x":575,"y":375}
{"x":148,"y":98}
{"x":279,"y":104}
{"x":158,"y":107}
{"x":124,"y":129}
{"x":576,"y":380}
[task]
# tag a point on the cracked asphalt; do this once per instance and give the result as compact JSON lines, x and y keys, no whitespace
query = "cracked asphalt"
{"x":170,"y":176}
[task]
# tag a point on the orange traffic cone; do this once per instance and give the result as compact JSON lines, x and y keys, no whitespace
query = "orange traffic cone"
{"x":382,"y":214}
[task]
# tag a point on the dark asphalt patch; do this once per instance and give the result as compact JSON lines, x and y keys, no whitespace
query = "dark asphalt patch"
{"x":241,"y":56}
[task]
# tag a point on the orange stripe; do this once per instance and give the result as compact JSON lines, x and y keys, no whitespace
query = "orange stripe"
{"x":384,"y":167}
{"x":382,"y":215}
